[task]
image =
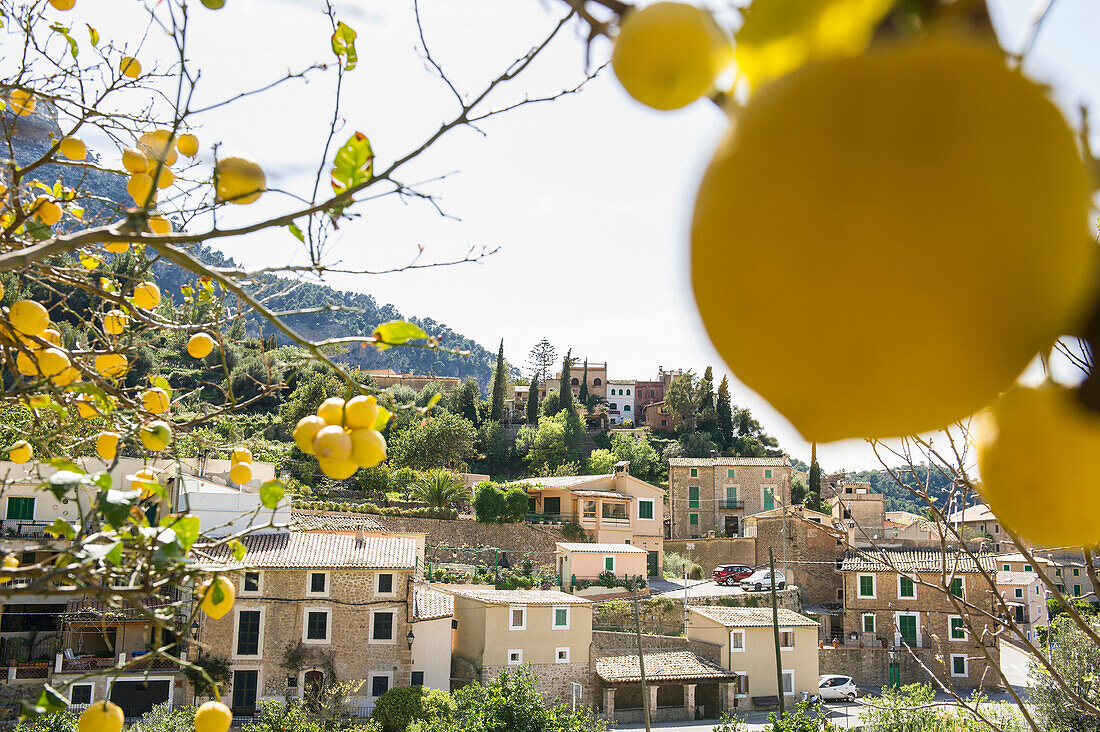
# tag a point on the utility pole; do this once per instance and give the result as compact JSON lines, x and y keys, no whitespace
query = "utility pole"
{"x":775,"y":632}
{"x":641,"y":662}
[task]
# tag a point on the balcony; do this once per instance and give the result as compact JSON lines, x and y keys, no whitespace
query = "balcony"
{"x":731,"y":505}
{"x":23,"y":528}
{"x":552,"y":518}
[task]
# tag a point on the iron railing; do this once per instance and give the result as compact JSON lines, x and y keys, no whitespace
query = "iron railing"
{"x":731,"y":504}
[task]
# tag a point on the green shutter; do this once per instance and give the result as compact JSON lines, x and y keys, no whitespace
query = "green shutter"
{"x":609,"y":564}
{"x":866,"y":586}
{"x":693,"y":496}
{"x":868,"y":623}
{"x":907,"y":624}
{"x":958,"y":665}
{"x":694,"y":472}
{"x":645,"y":509}
{"x":958,"y":630}
{"x":693,"y":519}
{"x":957,"y":587}
{"x":905,"y":587}
{"x":731,"y":493}
{"x":729,"y":473}
{"x":768,"y":473}
{"x":769,"y":500}
{"x":561,"y":616}
{"x":20,"y":509}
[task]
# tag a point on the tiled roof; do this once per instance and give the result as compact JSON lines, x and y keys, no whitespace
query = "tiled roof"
{"x":659,"y":666}
{"x":1021,"y":558}
{"x":751,"y":617}
{"x":978,"y":512}
{"x":584,"y":548}
{"x":1016,"y":578}
{"x":315,"y":549}
{"x":519,"y":597}
{"x":560,"y":481}
{"x":431,"y":604}
{"x":332,"y":521}
{"x":733,"y":462}
{"x":603,"y":494}
{"x":915,"y":560}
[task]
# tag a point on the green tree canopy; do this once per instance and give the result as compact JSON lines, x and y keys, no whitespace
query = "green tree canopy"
{"x":443,"y":440}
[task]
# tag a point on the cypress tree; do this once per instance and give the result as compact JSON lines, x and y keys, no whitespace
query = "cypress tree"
{"x":533,"y":403}
{"x":584,"y":386}
{"x":725,"y":413}
{"x":814,"y":489}
{"x":500,"y":382}
{"x":565,"y":389}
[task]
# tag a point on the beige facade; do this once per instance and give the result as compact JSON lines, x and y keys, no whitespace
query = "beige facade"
{"x":385,"y":378}
{"x":1026,"y":598}
{"x":861,"y":509}
{"x":716,"y":494}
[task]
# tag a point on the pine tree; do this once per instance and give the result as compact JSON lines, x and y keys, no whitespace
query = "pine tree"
{"x":583,"y":398}
{"x":500,"y":382}
{"x":725,"y":413}
{"x":533,"y":404}
{"x":565,"y":389}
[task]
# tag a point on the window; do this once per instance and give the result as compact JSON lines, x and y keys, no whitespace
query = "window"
{"x":664,"y":422}
{"x":731,"y":495}
{"x":384,"y":586}
{"x":906,"y":587}
{"x":626,"y":407}
{"x":729,"y":472}
{"x":741,"y":685}
{"x":609,"y":564}
{"x":839,"y":563}
{"x":613,"y":406}
{"x":379,"y":685}
{"x":517,"y":617}
{"x":645,"y":508}
{"x":866,"y":585}
{"x":1027,"y":567}
{"x":768,"y":473}
{"x":693,"y":519}
{"x":81,"y":693}
{"x":561,"y":617}
{"x":251,"y":583}
{"x":417,"y":678}
{"x":958,"y":664}
{"x":248,"y":633}
{"x":1037,"y":589}
{"x":20,"y":509}
{"x":515,"y":657}
{"x":561,"y":655}
{"x":788,"y":682}
{"x":1006,"y":567}
{"x":786,"y":640}
{"x":996,"y":528}
{"x":318,"y":583}
{"x":292,"y":682}
{"x":381,"y":626}
{"x":957,"y":626}
{"x":694,"y":473}
{"x":1019,"y":592}
{"x":1058,"y":572}
{"x":245,"y":684}
{"x":574,"y":382}
{"x":769,"y":499}
{"x":1076,"y":573}
{"x":957,"y":587}
{"x":1061,"y":588}
{"x":1077,"y":590}
{"x":693,"y":496}
{"x":737,"y":641}
{"x":868,"y":622}
{"x":589,"y":509}
{"x":596,"y":382}
{"x":317,"y":626}
{"x":628,"y":392}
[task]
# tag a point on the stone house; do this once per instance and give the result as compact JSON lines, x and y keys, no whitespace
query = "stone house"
{"x":597,"y":379}
{"x":978,"y":520}
{"x":1026,"y":598}
{"x":924,"y":603}
{"x":659,"y":418}
{"x":648,"y":392}
{"x":860,"y":508}
{"x":747,"y":640}
{"x":620,"y":401}
{"x":716,"y":494}
{"x":501,"y":630}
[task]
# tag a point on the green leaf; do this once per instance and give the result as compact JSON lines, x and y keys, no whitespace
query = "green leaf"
{"x":433,"y":401}
{"x":103,"y":480}
{"x":297,"y":232}
{"x":353,"y":164}
{"x":343,"y":45}
{"x":186,"y":528}
{"x":93,"y":35}
{"x":217,"y":594}
{"x":30,"y":711}
{"x":396,"y":333}
{"x":61,"y":528}
{"x":271,"y":493}
{"x":238,"y":549}
{"x":115,"y":504}
{"x":51,"y":700}
{"x":63,"y":464}
{"x":64,"y":481}
{"x":107,"y":552}
{"x":74,"y":49}
{"x":163,"y":384}
{"x":383,"y":417}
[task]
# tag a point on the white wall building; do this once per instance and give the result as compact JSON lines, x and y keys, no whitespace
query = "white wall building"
{"x":620,"y":401}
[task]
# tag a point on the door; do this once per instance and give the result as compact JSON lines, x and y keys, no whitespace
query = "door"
{"x":769,"y":500}
{"x":907,"y":624}
{"x":244,"y":692}
{"x":652,"y":564}
{"x":138,"y":697}
{"x":313,"y":682}
{"x":552,"y":506}
{"x":732,"y":526}
{"x":895,"y":674}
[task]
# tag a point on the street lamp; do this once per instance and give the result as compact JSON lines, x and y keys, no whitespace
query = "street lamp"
{"x":893,"y":653}
{"x":410,"y":638}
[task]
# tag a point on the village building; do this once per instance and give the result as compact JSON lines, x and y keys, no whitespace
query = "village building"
{"x":712,"y":496}
{"x":601,"y":571}
{"x":1026,"y":598}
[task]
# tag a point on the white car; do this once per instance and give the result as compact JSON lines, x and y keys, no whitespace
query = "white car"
{"x":761,"y":579}
{"x":832,"y":687}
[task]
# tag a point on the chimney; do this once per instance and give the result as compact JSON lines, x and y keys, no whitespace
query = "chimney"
{"x":360,"y":537}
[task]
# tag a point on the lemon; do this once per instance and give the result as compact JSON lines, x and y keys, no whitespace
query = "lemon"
{"x":48,"y":212}
{"x":63,"y":5}
{"x":188,"y":145}
{"x":85,"y":406}
{"x":20,"y":451}
{"x":155,"y":435}
{"x":158,"y":145}
{"x":304,"y":432}
{"x":21,"y":102}
{"x":241,"y":473}
{"x":115,"y":321}
{"x":147,"y":295}
{"x":155,"y":400}
{"x":146,"y":474}
{"x":361,"y":411}
{"x":368,"y":447}
{"x":146,"y":481}
{"x":238,"y":180}
{"x":140,"y":187}
{"x":241,"y":455}
{"x":159,"y":225}
{"x":50,"y":335}
{"x":332,"y":410}
{"x":200,"y":345}
{"x":947,"y":186}
{"x":135,"y":161}
{"x":337,"y":469}
{"x":52,"y":362}
{"x":217,"y":609}
{"x":66,"y":377}
{"x":669,"y":54}
{"x":332,"y":444}
{"x":3,"y":190}
{"x":116,"y":247}
{"x":214,"y":4}
{"x":106,"y":445}
{"x":72,"y":148}
{"x":165,"y":177}
{"x":213,"y":716}
{"x":130,"y":66}
{"x":111,"y":365}
{"x":10,"y":561}
{"x":28,"y":317}
{"x":101,"y":716}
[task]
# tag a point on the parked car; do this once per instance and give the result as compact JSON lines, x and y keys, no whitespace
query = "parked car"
{"x":831,"y":687}
{"x":730,"y":574}
{"x":761,"y":579}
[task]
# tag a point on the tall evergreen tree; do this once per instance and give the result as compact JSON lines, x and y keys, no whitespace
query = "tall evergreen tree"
{"x":725,"y":413}
{"x":707,"y":416}
{"x":813,"y":494}
{"x":583,"y":398}
{"x":500,"y":383}
{"x":565,"y":388}
{"x":533,"y":404}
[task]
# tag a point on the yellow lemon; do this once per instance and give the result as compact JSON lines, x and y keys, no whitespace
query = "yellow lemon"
{"x":241,"y":455}
{"x":217,"y":607}
{"x":159,"y":225}
{"x":368,"y":447}
{"x":332,"y":410}
{"x":200,"y":345}
{"x":304,"y":432}
{"x":28,"y":317}
{"x":241,"y":473}
{"x":147,"y":295}
{"x":101,"y":716}
{"x":26,"y":364}
{"x":145,"y":480}
{"x":66,"y":377}
{"x":158,"y":145}
{"x":140,"y":187}
{"x":106,"y":445}
{"x":188,"y":145}
{"x":48,"y":212}
{"x":21,"y":102}
{"x":20,"y":451}
{"x":213,"y":716}
{"x":238,"y":180}
{"x":115,"y":321}
{"x":111,"y":365}
{"x":134,"y":160}
{"x":63,"y":5}
{"x":116,"y":247}
{"x":85,"y":406}
{"x":155,"y":435}
{"x":10,"y":561}
{"x":72,"y":148}
{"x":947,"y":186}
{"x":361,"y":411}
{"x":130,"y":66}
{"x":332,"y":444}
{"x":338,"y":469}
{"x":52,"y":362}
{"x":155,"y":400}
{"x":165,"y":177}
{"x":51,"y":335}
{"x":669,"y":54}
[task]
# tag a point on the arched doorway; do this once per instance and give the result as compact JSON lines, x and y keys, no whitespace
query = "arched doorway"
{"x":312,"y":683}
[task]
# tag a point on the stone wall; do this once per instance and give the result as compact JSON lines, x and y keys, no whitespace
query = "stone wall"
{"x":709,"y":553}
{"x":870,"y":667}
{"x":555,"y":680}
{"x":811,"y":552}
{"x":665,"y":615}
{"x":607,"y":643}
{"x":514,"y":540}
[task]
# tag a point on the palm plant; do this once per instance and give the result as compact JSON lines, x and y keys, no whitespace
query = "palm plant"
{"x":439,"y":489}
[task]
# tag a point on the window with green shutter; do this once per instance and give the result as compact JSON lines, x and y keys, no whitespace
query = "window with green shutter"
{"x":867,"y":586}
{"x":1027,"y":567}
{"x":958,"y":629}
{"x":907,"y":628}
{"x":693,"y":496}
{"x":868,"y":623}
{"x":1006,"y":567}
{"x":957,"y":587}
{"x":767,"y":473}
{"x":731,"y":493}
{"x":905,"y":587}
{"x":769,"y":500}
{"x":694,"y":472}
{"x":958,"y":665}
{"x":693,"y":519}
{"x":561,"y":617}
{"x":1077,"y":590}
{"x":609,"y":564}
{"x":645,"y":509}
{"x":20,"y":509}
{"x":729,"y":473}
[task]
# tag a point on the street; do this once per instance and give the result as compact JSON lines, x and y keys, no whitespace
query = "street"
{"x":695,"y":588}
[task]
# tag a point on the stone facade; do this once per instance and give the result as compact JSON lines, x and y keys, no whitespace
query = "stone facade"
{"x":812,"y":552}
{"x":714,"y":494}
{"x":613,"y":643}
{"x":555,"y":680}
{"x":709,"y":553}
{"x":870,"y":667}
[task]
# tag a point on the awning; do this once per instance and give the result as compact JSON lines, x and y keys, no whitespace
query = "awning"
{"x":681,"y":666}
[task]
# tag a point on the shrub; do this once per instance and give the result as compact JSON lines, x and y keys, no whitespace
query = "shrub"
{"x":217,"y":669}
{"x":493,"y":505}
{"x":675,"y":564}
{"x":573,"y":531}
{"x":400,"y":706}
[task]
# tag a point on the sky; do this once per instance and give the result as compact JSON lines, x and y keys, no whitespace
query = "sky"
{"x":586,"y":200}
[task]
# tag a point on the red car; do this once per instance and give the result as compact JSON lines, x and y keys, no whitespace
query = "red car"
{"x":730,"y":574}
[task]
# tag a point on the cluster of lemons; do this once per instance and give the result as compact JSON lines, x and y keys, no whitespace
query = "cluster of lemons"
{"x":342,"y":436}
{"x":154,"y":154}
{"x":923,"y":209}
{"x":105,"y":716}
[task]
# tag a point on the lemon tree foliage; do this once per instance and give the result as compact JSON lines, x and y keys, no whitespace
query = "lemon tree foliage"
{"x":123,"y":333}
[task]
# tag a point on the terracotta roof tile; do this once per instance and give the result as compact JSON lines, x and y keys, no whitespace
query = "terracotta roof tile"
{"x":332,"y":521}
{"x":431,"y":604}
{"x":518,"y":597}
{"x":751,"y":617}
{"x":915,"y":560}
{"x":586,"y":548}
{"x":560,"y":481}
{"x":659,"y":666}
{"x":733,"y":462}
{"x":316,"y":549}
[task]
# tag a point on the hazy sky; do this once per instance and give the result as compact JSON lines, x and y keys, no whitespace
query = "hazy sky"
{"x":588,"y":198}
